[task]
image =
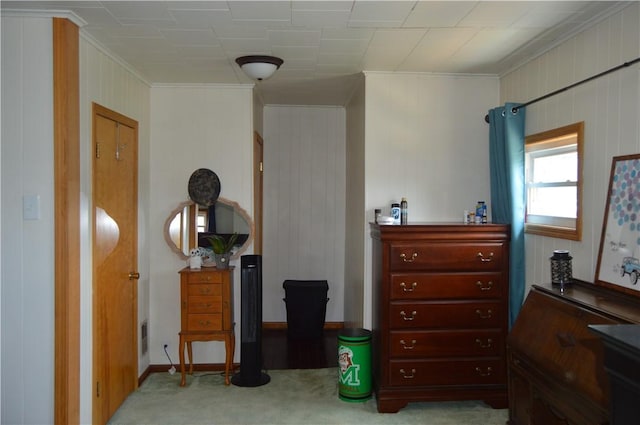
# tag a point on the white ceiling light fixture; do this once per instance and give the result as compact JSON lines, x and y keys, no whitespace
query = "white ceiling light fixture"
{"x":259,"y":67}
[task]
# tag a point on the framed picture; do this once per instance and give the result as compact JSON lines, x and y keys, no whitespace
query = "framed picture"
{"x":619,"y":256}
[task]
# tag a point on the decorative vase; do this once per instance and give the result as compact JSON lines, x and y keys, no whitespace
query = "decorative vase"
{"x":222,"y":260}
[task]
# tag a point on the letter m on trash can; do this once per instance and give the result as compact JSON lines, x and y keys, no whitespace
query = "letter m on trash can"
{"x":350,"y":376}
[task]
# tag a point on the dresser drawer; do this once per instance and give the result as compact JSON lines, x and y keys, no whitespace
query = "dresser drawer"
{"x":446,"y":285}
{"x":446,"y":315}
{"x":450,"y":343}
{"x":480,"y":371}
{"x":459,"y":256}
{"x":202,"y":304}
{"x":205,"y":277}
{"x":213,"y":289}
{"x":204,"y":322}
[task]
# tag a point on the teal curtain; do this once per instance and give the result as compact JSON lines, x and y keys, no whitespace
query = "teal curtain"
{"x":506,"y":163}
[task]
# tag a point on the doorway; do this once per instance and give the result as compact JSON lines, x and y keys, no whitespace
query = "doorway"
{"x":258,"y":172}
{"x":115,"y":276}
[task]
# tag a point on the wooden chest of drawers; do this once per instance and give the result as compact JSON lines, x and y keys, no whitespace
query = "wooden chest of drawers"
{"x":440,"y":313}
{"x":206,"y":306}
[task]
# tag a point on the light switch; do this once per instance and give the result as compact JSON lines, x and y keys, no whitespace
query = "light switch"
{"x":31,"y":207}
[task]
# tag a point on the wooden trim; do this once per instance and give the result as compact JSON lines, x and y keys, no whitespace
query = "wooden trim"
{"x":283,"y":325}
{"x":553,"y":137}
{"x":66,"y":160}
{"x":115,"y":116}
{"x":197,"y":367}
{"x":258,"y":191}
{"x":553,"y":231}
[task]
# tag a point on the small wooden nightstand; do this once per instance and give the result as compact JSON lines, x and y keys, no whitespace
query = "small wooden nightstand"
{"x":206,"y":305}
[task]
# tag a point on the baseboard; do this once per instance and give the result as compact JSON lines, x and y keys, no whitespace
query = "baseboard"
{"x":197,"y":367}
{"x":283,"y":325}
{"x":219,"y":367}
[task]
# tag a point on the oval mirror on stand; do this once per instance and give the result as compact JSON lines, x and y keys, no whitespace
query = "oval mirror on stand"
{"x":189,"y":224}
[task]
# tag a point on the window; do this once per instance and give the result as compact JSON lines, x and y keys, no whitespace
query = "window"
{"x":201,"y":220}
{"x":553,"y":173}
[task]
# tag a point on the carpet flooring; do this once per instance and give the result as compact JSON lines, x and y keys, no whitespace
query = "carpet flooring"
{"x":294,"y":396}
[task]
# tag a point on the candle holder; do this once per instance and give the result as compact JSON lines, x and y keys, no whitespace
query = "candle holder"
{"x":561,"y":272}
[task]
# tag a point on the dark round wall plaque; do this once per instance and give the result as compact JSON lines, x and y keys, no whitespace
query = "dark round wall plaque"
{"x":204,"y":187}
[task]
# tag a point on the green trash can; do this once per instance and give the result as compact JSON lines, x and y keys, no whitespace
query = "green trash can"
{"x":354,"y":362}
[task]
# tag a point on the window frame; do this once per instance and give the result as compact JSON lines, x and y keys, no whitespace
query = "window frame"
{"x":547,"y":140}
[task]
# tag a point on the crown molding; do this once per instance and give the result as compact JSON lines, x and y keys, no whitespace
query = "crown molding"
{"x":38,"y":13}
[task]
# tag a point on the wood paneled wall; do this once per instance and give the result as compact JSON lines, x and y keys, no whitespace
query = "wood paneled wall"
{"x":304,"y":203}
{"x":609,"y":107}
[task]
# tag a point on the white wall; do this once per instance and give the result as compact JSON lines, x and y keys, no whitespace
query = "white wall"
{"x":355,"y":291}
{"x":426,"y":139}
{"x":304,"y":204}
{"x":110,"y":83}
{"x":27,"y":296}
{"x":193,"y":126}
{"x":610,"y":108}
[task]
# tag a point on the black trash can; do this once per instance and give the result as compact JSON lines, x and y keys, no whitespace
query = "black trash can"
{"x":306,"y":302}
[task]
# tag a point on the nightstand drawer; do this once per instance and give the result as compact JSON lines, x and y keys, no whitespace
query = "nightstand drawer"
{"x":446,"y":285}
{"x":200,"y":304}
{"x":478,"y":371}
{"x":205,"y":277}
{"x":204,"y":322}
{"x":436,"y":315}
{"x":456,"y":343}
{"x":459,"y":256}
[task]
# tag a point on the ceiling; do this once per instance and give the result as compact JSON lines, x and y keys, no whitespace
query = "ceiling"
{"x":324,"y":44}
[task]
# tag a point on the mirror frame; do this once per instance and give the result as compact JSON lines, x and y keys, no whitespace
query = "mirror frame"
{"x":236,"y":207}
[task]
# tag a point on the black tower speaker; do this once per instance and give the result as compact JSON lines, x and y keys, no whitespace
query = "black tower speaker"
{"x":251,"y":374}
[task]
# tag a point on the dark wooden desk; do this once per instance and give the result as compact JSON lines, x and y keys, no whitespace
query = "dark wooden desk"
{"x":622,"y":363}
{"x":557,"y":373}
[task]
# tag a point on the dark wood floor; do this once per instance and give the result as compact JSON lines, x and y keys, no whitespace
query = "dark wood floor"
{"x":281,"y":352}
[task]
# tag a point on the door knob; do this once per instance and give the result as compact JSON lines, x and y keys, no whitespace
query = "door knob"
{"x":134,"y":275}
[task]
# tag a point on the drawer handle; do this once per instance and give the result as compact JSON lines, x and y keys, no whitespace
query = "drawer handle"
{"x":205,"y":290}
{"x":483,"y":259}
{"x":405,"y":289}
{"x":405,"y":376}
{"x":483,"y":286}
{"x":484,"y":315}
{"x":409,"y":260}
{"x":404,"y":315}
{"x":485,"y":372}
{"x":408,"y":347}
{"x":484,"y":344}
{"x":205,"y":322}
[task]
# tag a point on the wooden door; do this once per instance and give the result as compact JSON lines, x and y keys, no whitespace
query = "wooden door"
{"x":115,"y":176}
{"x":258,"y":172}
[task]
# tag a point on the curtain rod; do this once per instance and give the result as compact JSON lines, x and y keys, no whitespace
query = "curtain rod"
{"x":624,"y":65}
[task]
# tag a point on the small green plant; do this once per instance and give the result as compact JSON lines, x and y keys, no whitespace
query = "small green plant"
{"x":221,"y":245}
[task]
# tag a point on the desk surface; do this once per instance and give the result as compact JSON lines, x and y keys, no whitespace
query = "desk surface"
{"x":624,"y":336}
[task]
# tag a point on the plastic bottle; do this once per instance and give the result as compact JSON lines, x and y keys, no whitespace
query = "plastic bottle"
{"x":395,"y":212}
{"x":404,"y":211}
{"x":479,"y":211}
